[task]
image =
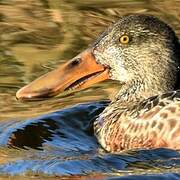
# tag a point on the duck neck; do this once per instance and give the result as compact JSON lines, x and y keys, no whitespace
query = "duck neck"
{"x":128,"y":96}
{"x":147,"y":86}
{"x":134,"y":92}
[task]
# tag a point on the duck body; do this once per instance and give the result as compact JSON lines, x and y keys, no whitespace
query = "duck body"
{"x":151,"y":123}
{"x":142,"y":53}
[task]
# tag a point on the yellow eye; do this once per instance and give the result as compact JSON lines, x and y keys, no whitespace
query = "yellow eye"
{"x":124,"y":39}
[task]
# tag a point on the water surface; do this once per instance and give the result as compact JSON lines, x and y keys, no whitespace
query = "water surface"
{"x":54,"y":138}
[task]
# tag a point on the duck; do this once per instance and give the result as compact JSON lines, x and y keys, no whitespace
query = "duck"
{"x":142,"y":53}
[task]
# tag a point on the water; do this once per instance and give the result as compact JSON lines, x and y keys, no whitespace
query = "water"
{"x":54,"y":138}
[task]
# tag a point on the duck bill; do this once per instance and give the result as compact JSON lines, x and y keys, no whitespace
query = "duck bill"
{"x":79,"y":73}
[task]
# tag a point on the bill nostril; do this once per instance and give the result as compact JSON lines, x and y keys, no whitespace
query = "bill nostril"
{"x":75,"y":62}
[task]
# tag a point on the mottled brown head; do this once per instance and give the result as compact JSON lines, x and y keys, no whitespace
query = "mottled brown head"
{"x":139,"y":51}
{"x":143,"y":53}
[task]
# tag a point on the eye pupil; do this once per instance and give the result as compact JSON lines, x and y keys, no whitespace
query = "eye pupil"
{"x":125,"y":39}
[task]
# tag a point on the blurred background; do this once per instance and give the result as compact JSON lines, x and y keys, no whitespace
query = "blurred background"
{"x":37,"y":36}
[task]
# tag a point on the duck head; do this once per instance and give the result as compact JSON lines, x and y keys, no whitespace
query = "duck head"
{"x":139,"y":51}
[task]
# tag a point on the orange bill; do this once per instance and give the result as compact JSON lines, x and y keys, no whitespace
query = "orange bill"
{"x":79,"y":73}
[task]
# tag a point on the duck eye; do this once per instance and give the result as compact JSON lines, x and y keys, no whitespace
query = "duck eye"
{"x":124,"y":39}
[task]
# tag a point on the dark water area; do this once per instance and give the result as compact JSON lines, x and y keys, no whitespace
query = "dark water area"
{"x":54,"y":138}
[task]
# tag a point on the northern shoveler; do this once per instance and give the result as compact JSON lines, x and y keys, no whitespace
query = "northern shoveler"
{"x":143,"y":54}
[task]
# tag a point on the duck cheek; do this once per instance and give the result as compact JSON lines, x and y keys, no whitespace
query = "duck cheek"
{"x":105,"y":55}
{"x":119,"y":72}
